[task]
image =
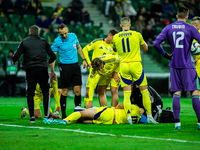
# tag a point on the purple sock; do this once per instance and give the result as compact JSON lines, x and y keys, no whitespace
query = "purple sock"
{"x":176,"y":107}
{"x":196,"y":106}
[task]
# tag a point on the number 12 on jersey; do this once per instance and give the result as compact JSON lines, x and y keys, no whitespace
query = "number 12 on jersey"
{"x":177,"y":40}
{"x":125,"y":45}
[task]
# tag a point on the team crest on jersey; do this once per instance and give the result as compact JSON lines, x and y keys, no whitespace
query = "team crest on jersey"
{"x":91,"y":76}
{"x":101,"y":47}
{"x":74,"y":45}
{"x":89,"y":44}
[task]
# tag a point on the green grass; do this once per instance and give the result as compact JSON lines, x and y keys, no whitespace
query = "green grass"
{"x":24,"y":136}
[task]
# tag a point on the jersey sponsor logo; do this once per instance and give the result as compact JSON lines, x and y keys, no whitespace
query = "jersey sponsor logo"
{"x":101,"y":47}
{"x":74,"y":45}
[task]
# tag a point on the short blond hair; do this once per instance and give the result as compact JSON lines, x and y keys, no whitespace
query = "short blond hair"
{"x":125,"y":21}
{"x":196,"y":18}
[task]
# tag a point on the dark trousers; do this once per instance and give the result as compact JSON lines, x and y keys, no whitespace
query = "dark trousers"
{"x":10,"y":85}
{"x":36,"y":75}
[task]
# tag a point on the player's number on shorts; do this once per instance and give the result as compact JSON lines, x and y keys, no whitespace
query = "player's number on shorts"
{"x":125,"y":45}
{"x":177,"y":40}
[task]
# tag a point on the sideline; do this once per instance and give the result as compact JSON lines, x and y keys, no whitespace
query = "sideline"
{"x":106,"y":134}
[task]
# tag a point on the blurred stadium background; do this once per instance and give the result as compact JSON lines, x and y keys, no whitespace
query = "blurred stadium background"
{"x":14,"y":27}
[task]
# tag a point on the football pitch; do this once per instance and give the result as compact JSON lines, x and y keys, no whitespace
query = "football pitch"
{"x":17,"y":133}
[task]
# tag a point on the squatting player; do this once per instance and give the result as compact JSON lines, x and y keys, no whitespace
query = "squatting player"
{"x":127,"y":44}
{"x":54,"y":91}
{"x":99,"y":47}
{"x":99,"y":115}
{"x":183,"y":75}
{"x":107,"y":67}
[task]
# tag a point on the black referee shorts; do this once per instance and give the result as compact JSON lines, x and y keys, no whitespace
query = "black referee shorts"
{"x":70,"y":75}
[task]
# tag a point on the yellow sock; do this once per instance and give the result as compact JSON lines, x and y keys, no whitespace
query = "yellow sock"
{"x":127,"y":103}
{"x":73,"y":117}
{"x":91,"y":93}
{"x":86,"y":101}
{"x":56,"y":93}
{"x":50,"y":110}
{"x":146,"y":101}
{"x":57,"y":101}
{"x":26,"y":111}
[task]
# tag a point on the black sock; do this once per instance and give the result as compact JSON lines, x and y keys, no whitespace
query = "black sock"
{"x":63,"y":101}
{"x":77,"y":100}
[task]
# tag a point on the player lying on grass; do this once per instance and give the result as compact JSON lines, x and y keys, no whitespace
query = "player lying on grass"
{"x":54,"y":91}
{"x":99,"y":115}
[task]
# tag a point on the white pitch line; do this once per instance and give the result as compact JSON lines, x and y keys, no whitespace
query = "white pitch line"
{"x":98,"y":133}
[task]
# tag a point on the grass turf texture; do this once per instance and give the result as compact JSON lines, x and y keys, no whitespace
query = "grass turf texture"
{"x":23,"y":135}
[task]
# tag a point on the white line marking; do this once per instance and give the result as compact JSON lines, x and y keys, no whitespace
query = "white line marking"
{"x":106,"y":134}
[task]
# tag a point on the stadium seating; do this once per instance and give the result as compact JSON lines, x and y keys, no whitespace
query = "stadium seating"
{"x":22,"y":28}
{"x":49,"y":37}
{"x":28,"y":19}
{"x":18,"y":36}
{"x":3,"y":20}
{"x":5,"y":36}
{"x":48,"y":11}
{"x":9,"y":28}
{"x":14,"y":18}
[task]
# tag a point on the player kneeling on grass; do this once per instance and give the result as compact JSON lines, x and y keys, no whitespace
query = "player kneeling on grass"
{"x":55,"y":92}
{"x":99,"y":115}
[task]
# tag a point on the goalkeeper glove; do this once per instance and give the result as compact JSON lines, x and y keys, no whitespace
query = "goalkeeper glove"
{"x":168,"y":56}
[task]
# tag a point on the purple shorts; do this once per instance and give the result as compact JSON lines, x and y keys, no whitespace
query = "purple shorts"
{"x":183,"y":79}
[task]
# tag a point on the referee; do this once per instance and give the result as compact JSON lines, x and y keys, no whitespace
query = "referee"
{"x":35,"y":50}
{"x":67,"y":46}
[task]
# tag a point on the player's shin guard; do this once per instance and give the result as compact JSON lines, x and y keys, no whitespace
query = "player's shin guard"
{"x":63,"y":102}
{"x":77,"y":100}
{"x":146,"y":101}
{"x":196,"y":106}
{"x":176,"y":108}
{"x":73,"y":117}
{"x":127,"y":103}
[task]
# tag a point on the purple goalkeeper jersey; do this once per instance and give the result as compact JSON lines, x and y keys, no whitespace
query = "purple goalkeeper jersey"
{"x":180,"y":36}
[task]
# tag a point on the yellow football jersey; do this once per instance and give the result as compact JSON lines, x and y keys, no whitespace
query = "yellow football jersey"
{"x":120,"y":116}
{"x":128,"y":45}
{"x":99,"y":47}
{"x":111,"y":64}
{"x":197,"y":64}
